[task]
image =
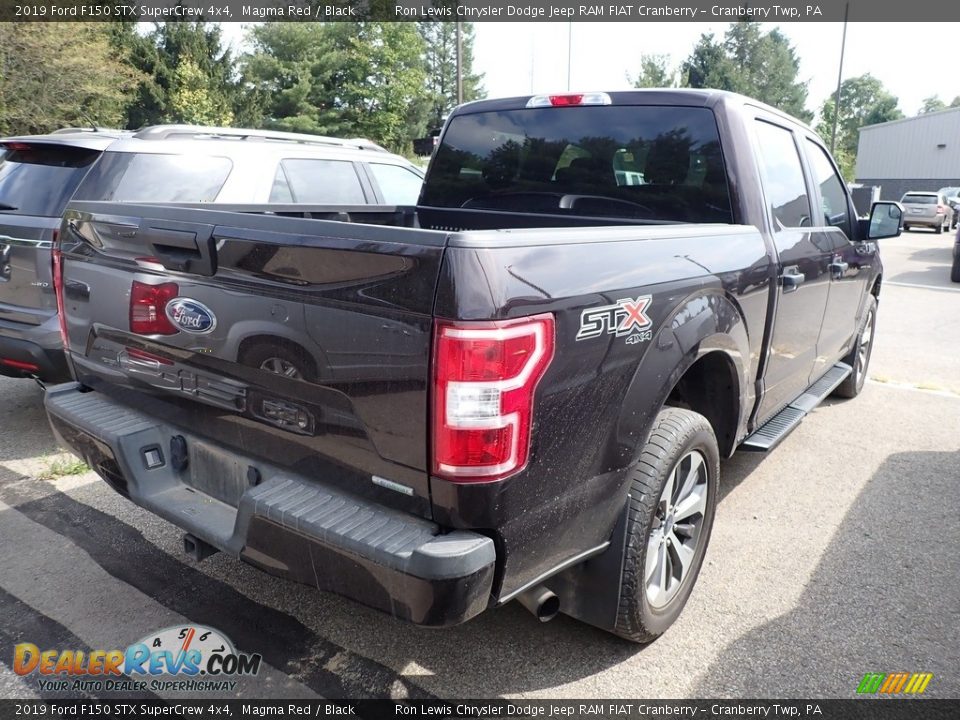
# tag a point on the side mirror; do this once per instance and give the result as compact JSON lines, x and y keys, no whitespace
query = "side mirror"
{"x":886,"y":220}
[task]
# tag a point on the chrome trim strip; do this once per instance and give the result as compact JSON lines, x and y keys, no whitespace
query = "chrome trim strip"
{"x":23,"y":242}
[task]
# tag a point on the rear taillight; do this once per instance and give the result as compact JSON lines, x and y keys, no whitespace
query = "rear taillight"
{"x":57,"y":272}
{"x":941,"y":209}
{"x":148,"y":304}
{"x":485,"y":375}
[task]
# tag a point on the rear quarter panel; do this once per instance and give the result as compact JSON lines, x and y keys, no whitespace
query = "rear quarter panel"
{"x":708,"y":289}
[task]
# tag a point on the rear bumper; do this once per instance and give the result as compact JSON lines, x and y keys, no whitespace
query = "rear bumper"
{"x":25,"y":358}
{"x":287,"y":525}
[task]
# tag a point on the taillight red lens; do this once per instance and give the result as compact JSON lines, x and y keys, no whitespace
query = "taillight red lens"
{"x":485,"y":376}
{"x":147,"y":308}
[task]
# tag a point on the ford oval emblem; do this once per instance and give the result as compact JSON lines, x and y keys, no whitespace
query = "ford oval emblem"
{"x":191,"y":316}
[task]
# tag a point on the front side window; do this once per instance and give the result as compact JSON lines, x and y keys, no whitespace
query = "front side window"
{"x":398,"y":185}
{"x":784,"y":184}
{"x":832,"y":190}
{"x":317,"y":182}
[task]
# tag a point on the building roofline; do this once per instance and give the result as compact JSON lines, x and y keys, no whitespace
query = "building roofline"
{"x":910,"y":119}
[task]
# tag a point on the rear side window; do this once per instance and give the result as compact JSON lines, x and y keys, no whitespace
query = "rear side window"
{"x":40,"y":179}
{"x":656,"y":163}
{"x":919,"y":199}
{"x":785,"y":187}
{"x":398,"y":185}
{"x":317,"y":182}
{"x":147,"y":177}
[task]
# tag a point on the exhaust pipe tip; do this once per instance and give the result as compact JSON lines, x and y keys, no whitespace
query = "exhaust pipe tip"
{"x":542,"y":602}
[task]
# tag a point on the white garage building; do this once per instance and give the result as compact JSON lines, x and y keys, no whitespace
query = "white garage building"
{"x":918,"y":153}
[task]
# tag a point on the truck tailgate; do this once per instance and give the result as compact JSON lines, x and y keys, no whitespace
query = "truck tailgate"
{"x":305,"y":343}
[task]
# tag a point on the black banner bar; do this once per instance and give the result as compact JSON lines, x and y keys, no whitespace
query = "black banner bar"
{"x":865,"y":709}
{"x":478,"y":10}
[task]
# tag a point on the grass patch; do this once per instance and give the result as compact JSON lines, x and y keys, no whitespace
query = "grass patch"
{"x":62,"y":467}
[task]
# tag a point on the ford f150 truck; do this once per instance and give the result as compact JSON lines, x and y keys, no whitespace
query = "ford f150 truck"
{"x":520,"y":388}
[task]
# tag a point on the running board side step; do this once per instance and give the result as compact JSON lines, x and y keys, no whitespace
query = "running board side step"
{"x":779,"y":426}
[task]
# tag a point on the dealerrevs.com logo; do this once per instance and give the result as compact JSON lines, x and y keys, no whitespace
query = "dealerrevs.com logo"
{"x":894,"y":683}
{"x":189,"y":658}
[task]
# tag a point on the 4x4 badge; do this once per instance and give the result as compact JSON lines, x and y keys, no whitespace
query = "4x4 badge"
{"x":625,"y":318}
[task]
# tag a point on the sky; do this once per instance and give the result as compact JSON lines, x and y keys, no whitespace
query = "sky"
{"x":531,"y":57}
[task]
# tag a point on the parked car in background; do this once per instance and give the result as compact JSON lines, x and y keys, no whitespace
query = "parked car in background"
{"x":38,"y":175}
{"x":955,"y":270}
{"x":952,"y":195}
{"x":926,"y":209}
{"x":160,"y":164}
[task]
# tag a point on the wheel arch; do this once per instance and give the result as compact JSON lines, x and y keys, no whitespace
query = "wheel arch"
{"x":700,"y":360}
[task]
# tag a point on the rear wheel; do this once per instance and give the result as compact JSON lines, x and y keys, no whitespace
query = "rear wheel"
{"x":859,"y":356}
{"x":280,"y":358}
{"x":673,"y":496}
{"x":939,"y":228}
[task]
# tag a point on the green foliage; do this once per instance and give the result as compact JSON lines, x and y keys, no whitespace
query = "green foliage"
{"x":655,"y":72}
{"x":160,"y":55}
{"x":440,"y":57}
{"x":379,"y":79}
{"x":932,"y":104}
{"x":349,"y":79}
{"x":761,"y":65}
{"x":192,"y":102}
{"x":863,"y":101}
{"x":58,"y":74}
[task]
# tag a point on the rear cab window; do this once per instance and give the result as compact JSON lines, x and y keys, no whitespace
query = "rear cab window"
{"x":150,"y":177}
{"x":649,"y":163}
{"x":39,"y":179}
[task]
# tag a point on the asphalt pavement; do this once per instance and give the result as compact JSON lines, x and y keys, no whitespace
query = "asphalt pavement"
{"x":832,"y":556}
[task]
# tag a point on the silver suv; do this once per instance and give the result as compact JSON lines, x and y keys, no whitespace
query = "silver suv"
{"x":926,"y":209}
{"x":166,"y":163}
{"x":188,"y":164}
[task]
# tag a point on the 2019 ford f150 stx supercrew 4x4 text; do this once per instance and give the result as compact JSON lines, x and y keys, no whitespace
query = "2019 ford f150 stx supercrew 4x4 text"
{"x":520,"y":388}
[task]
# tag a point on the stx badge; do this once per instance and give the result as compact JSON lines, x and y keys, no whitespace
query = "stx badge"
{"x":625,"y":318}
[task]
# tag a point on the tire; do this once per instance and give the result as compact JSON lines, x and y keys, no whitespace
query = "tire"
{"x":955,"y":270}
{"x":939,"y":229}
{"x":281,"y":358}
{"x":682,"y":444}
{"x":906,"y":228}
{"x":859,"y":356}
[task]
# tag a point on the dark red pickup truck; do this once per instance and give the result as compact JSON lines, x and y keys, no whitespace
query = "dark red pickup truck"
{"x":520,"y":388}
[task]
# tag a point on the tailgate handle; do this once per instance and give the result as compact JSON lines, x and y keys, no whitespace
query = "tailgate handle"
{"x":188,"y":250}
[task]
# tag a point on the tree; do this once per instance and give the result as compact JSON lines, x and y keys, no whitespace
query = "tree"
{"x":863,"y":101}
{"x":955,"y":102}
{"x":160,"y":55}
{"x":379,"y":80}
{"x":762,"y":65}
{"x":932,"y":104}
{"x":288,"y":75}
{"x":346,"y":79}
{"x":440,"y":57}
{"x":58,"y":74}
{"x":655,"y":72}
{"x":190,"y":99}
{"x":708,"y":66}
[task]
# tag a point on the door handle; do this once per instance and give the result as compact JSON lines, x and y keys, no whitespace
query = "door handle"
{"x":792,"y":279}
{"x":838,"y":268}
